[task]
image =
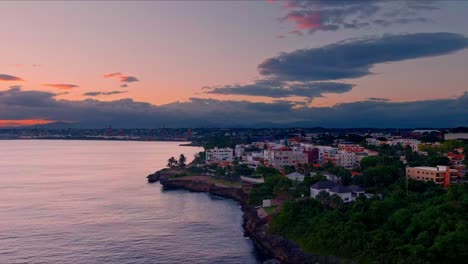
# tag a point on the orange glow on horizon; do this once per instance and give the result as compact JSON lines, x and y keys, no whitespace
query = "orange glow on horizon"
{"x":61,"y":86}
{"x":23,"y":122}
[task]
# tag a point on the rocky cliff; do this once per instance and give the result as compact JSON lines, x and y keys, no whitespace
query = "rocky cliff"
{"x":202,"y":184}
{"x":280,"y":248}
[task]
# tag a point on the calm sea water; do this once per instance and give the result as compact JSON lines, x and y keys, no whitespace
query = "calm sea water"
{"x":88,"y":202}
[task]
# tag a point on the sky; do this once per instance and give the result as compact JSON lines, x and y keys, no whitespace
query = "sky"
{"x":360,"y":63}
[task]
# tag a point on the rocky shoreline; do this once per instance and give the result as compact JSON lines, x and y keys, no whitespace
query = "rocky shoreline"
{"x":280,"y":248}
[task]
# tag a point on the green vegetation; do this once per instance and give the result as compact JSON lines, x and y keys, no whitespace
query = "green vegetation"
{"x":342,"y":173}
{"x":446,"y":146}
{"x":182,"y":160}
{"x":226,"y":183}
{"x":180,"y":175}
{"x":429,"y":225}
{"x":267,"y":172}
{"x":379,"y":171}
{"x":173,"y":163}
{"x":276,"y":185}
{"x":421,"y":223}
{"x":273,"y":186}
{"x":220,"y":141}
{"x":270,"y":210}
{"x":302,"y":189}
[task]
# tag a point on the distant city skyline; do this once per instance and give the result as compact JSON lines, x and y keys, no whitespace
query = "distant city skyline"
{"x":234,"y":63}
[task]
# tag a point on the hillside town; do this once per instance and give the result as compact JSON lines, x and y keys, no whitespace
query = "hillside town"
{"x":303,"y":158}
{"x":308,"y":187}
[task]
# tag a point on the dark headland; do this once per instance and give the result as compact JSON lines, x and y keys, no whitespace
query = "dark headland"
{"x":273,"y":246}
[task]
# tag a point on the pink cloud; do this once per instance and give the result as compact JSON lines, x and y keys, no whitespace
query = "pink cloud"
{"x":110,"y":75}
{"x":121,"y":77}
{"x":309,"y":20}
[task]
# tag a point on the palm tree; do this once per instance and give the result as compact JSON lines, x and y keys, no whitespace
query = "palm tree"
{"x":172,"y":162}
{"x":182,"y":160}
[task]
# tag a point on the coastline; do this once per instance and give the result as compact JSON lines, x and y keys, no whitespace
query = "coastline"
{"x":189,"y":144}
{"x":272,"y":246}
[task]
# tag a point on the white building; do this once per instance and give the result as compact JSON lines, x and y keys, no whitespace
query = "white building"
{"x":321,"y":186}
{"x":296,"y":176}
{"x":239,"y":150}
{"x":323,"y":152}
{"x":342,"y":191}
{"x":456,"y":136}
{"x":412,"y":143}
{"x":346,"y":159}
{"x":373,"y":141}
{"x":346,"y":193}
{"x":285,"y":157}
{"x":219,"y":154}
{"x":253,"y":160}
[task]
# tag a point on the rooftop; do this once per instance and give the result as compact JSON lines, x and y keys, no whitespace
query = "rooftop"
{"x":325,"y":184}
{"x":340,"y":189}
{"x":441,"y":168}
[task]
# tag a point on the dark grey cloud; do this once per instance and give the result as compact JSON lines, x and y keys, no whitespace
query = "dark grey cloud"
{"x":355,"y":57}
{"x":15,"y":97}
{"x":9,"y":78}
{"x":197,"y":112}
{"x":121,"y":77}
{"x":376,"y":99}
{"x":314,"y":15}
{"x":278,"y":89}
{"x":297,"y":73}
{"x":103,"y":93}
{"x":124,"y":85}
{"x":129,"y":79}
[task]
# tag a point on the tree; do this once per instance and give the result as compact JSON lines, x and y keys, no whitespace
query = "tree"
{"x":200,"y":157}
{"x":370,"y":161}
{"x":288,"y":169}
{"x":172,"y":162}
{"x":267,"y":172}
{"x":182,"y":160}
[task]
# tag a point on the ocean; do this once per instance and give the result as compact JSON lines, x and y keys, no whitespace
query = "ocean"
{"x":64,"y":201}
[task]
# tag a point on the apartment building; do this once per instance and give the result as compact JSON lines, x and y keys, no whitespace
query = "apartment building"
{"x":219,"y":154}
{"x":441,"y":175}
{"x":280,"y":157}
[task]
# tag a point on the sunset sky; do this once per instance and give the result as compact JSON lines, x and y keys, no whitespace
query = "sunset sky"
{"x":235,"y":63}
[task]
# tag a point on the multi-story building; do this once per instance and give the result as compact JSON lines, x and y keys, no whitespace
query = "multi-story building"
{"x":341,"y":158}
{"x":324,"y":153}
{"x":346,"y":159}
{"x":457,"y":162}
{"x":373,"y":141}
{"x":452,"y":136}
{"x":219,"y":154}
{"x":411,"y":142}
{"x":280,"y":157}
{"x":312,"y":155}
{"x":441,"y":175}
{"x":239,"y":150}
{"x":350,"y":147}
{"x":406,"y":142}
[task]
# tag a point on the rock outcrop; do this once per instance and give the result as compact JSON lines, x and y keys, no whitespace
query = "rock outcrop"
{"x":154,"y":177}
{"x":202,"y":184}
{"x":280,"y":248}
